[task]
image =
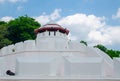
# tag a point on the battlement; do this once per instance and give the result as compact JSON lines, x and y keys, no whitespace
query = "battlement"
{"x":51,"y":34}
{"x":52,"y":54}
{"x":40,"y":44}
{"x":27,"y":45}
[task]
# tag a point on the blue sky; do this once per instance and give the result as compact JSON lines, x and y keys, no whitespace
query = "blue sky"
{"x":36,"y":7}
{"x":96,"y":21}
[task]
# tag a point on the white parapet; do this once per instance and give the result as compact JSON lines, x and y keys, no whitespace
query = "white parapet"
{"x":75,"y":45}
{"x":19,"y":47}
{"x":46,"y":33}
{"x":65,"y":35}
{"x":2,"y":67}
{"x":42,"y":44}
{"x":11,"y":49}
{"x":60,"y":44}
{"x":104,"y":55}
{"x":76,"y":66}
{"x":52,"y":34}
{"x":39,"y":35}
{"x":0,"y":53}
{"x":116,"y":62}
{"x":62,"y":34}
{"x":29,"y":45}
{"x":51,"y":42}
{"x":57,"y":33}
{"x":4,"y":51}
{"x":33,"y":66}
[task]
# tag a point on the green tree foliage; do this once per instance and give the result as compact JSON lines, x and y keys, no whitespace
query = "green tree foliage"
{"x":22,"y":28}
{"x":111,"y":53}
{"x":3,"y":32}
{"x":101,"y":47}
{"x":83,"y":42}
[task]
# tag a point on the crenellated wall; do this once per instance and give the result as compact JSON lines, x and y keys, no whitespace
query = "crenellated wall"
{"x":52,"y":54}
{"x":28,"y":45}
{"x":51,"y":40}
{"x":46,"y":40}
{"x":51,"y":34}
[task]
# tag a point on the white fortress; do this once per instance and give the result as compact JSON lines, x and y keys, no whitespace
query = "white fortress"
{"x":53,"y":57}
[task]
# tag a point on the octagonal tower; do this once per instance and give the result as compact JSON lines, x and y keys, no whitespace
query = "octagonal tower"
{"x":51,"y":36}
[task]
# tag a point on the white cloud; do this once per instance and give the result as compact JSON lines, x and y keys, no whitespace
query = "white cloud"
{"x":117,"y":16}
{"x":82,"y":21}
{"x":56,"y":14}
{"x":113,"y":32}
{"x":99,"y":37}
{"x":106,"y":36}
{"x":81,"y":24}
{"x":91,"y":28}
{"x":71,"y":37}
{"x":44,"y":18}
{"x":6,"y":18}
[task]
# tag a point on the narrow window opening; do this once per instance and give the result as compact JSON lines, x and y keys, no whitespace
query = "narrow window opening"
{"x":49,"y":33}
{"x":54,"y":33}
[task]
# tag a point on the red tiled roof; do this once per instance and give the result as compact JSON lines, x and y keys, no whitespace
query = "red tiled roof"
{"x":52,"y":27}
